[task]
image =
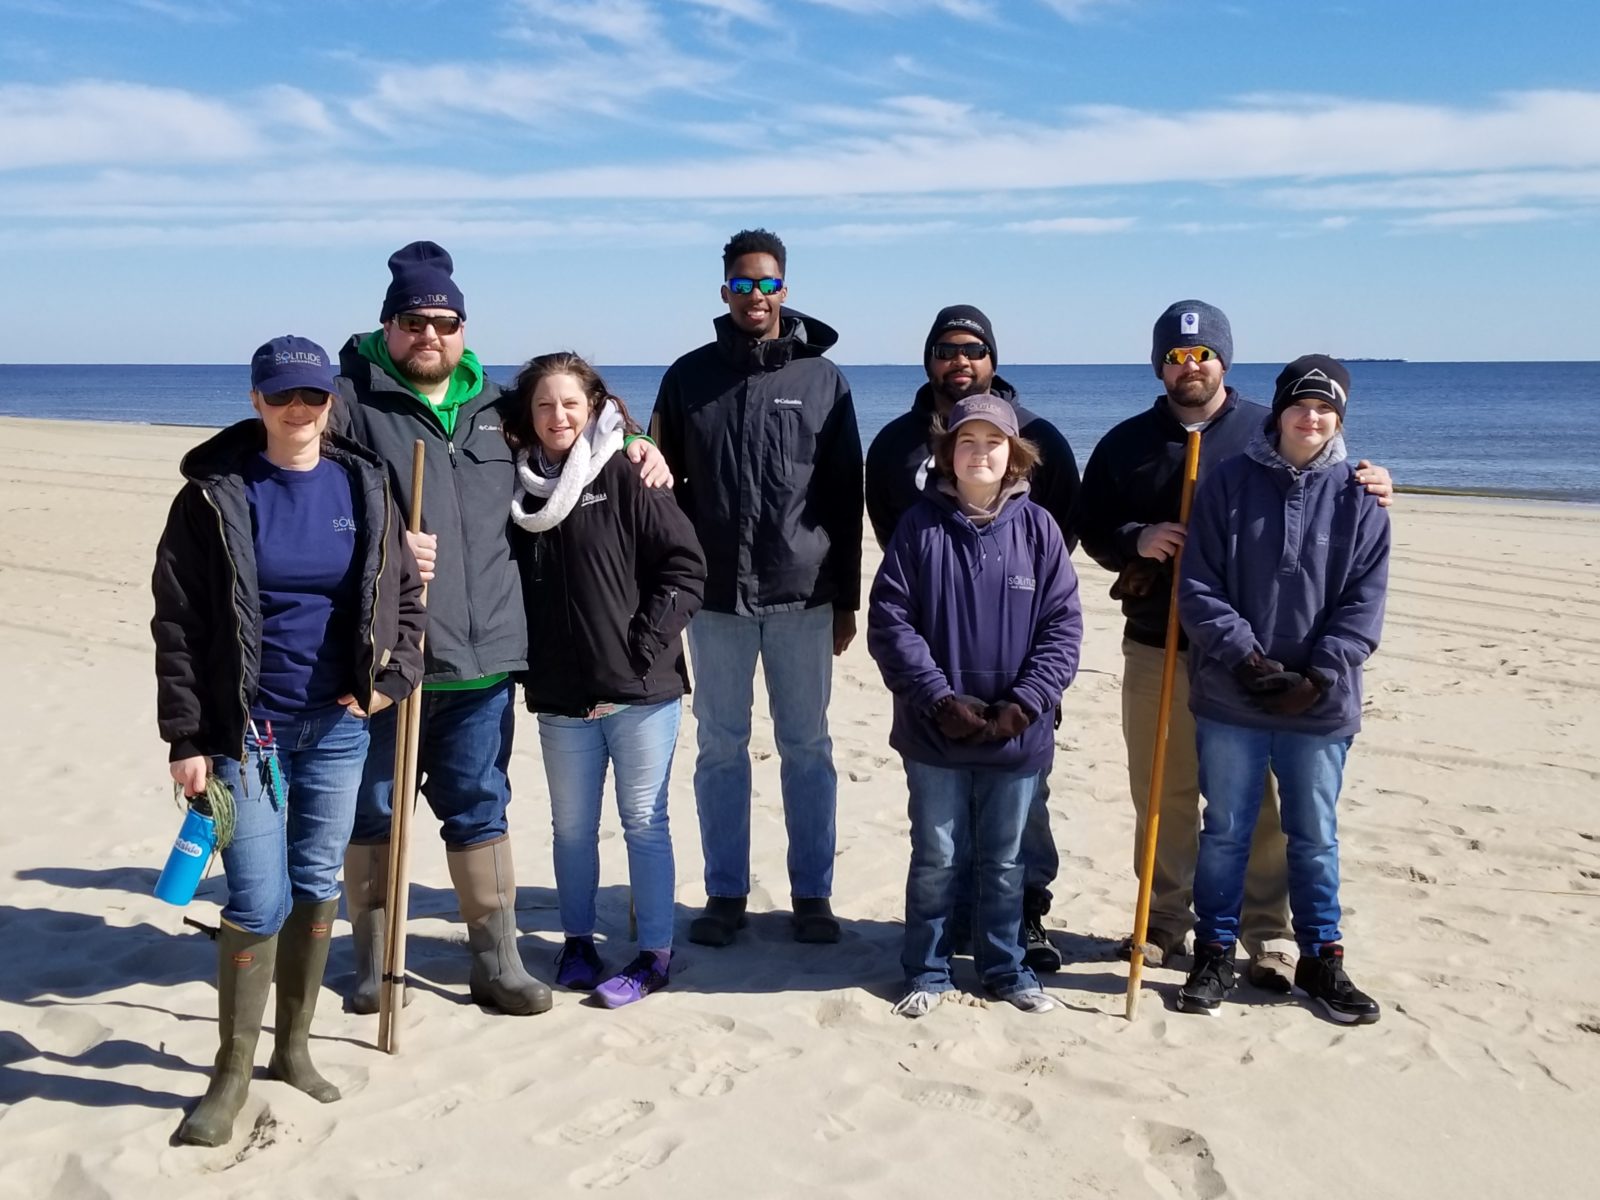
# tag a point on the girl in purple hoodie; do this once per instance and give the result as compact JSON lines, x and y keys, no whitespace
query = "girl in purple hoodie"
{"x":975,"y":624}
{"x":1284,"y":577}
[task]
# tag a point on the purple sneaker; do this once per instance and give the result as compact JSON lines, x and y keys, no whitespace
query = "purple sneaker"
{"x":645,"y":974}
{"x":578,"y":964}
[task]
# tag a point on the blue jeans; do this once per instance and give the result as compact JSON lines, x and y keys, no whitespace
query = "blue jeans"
{"x":1041,"y":861}
{"x":796,"y":652}
{"x":638,"y":741}
{"x":288,"y":855}
{"x":463,"y":756}
{"x":952,"y":807}
{"x":1234,"y":761}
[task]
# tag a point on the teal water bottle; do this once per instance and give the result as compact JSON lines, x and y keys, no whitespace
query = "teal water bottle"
{"x":197,"y":838}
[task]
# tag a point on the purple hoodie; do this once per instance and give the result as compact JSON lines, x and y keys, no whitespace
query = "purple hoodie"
{"x":1293,"y":563}
{"x":990,"y":612}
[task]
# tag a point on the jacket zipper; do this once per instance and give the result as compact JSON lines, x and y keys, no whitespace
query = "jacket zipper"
{"x":238,"y":627}
{"x":377,"y":585}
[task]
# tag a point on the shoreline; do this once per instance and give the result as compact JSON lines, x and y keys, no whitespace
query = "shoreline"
{"x":1531,"y":496}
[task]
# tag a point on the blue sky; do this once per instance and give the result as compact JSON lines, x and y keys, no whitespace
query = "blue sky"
{"x":180,"y":179}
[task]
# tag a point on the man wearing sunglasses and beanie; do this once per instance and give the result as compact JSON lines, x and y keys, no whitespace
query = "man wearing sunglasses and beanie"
{"x":760,"y":432}
{"x":961,"y":358}
{"x":411,"y":378}
{"x":1127,"y":516}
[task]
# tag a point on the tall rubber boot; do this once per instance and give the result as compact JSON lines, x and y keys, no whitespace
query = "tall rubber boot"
{"x":302,"y":958}
{"x":244,"y":974}
{"x":487,"y":891}
{"x":366,"y":889}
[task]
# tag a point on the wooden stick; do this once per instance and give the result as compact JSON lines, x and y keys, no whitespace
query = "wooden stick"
{"x":1158,"y":765}
{"x":407,"y":729}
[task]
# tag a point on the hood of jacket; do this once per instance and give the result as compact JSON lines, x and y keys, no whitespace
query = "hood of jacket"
{"x":1263,"y":448}
{"x":924,"y":406}
{"x":799,"y":336}
{"x":226,"y":452}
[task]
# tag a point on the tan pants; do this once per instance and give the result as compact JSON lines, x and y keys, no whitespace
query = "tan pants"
{"x":1265,"y":917}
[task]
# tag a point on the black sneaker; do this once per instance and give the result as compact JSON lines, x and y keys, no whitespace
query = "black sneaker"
{"x":1210,"y":981}
{"x":1323,"y":979}
{"x":1037,"y":952}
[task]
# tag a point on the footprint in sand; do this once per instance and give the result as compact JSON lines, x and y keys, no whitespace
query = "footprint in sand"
{"x":73,"y":1183}
{"x":962,"y":1100}
{"x":626,"y":1163}
{"x":716,"y":1076}
{"x":604,"y":1121}
{"x":837,"y":1010}
{"x":1178,"y":1162}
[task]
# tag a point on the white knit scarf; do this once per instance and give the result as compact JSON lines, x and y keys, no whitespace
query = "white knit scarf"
{"x":600,"y":439}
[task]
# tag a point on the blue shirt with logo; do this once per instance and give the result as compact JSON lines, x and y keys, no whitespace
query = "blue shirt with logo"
{"x":306,"y":568}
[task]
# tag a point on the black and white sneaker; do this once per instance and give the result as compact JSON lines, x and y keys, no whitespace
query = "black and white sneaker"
{"x":1210,"y":981}
{"x":1037,"y":952}
{"x":1323,"y":980}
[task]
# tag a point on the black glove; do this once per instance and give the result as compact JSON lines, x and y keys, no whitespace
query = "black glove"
{"x":1298,"y":697}
{"x":1137,"y":579}
{"x":1261,"y":676}
{"x":958,"y":717}
{"x":1004,"y":721}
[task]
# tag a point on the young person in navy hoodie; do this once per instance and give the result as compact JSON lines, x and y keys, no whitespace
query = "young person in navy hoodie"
{"x":1282,"y":594}
{"x":975,"y":624}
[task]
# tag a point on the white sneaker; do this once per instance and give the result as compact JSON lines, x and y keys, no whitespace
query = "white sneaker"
{"x":917,"y":1004}
{"x":1032,"y":1001}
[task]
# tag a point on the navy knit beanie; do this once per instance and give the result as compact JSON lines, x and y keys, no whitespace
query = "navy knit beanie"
{"x":422,"y":280}
{"x":1191,"y":323}
{"x":967,"y":319}
{"x":1314,"y":375}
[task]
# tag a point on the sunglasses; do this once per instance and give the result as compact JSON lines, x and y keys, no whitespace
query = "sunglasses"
{"x":1183,"y":354}
{"x":444,"y":326}
{"x":767,"y":285}
{"x":310,"y":397}
{"x":971,"y":351}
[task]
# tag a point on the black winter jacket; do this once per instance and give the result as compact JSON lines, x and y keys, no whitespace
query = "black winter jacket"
{"x":897,"y":464}
{"x":207,"y":623}
{"x":475,"y":625}
{"x":608,"y":593}
{"x":762,"y":440}
{"x":1133,"y":479}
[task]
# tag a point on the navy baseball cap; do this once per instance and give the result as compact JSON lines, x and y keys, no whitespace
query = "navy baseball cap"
{"x":290,"y":362}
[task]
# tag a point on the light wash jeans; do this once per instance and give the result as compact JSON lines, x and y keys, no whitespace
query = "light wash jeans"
{"x":1234,"y":761}
{"x":796,"y":653}
{"x":638,"y":742}
{"x":288,"y":854}
{"x":951,"y":808}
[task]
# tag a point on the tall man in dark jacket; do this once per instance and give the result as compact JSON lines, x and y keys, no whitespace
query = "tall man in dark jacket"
{"x":961,"y":358}
{"x":1127,"y":516}
{"x":414,"y":378}
{"x":760,"y":432}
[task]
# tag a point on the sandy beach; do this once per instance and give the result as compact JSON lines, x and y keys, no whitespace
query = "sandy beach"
{"x":1471,"y":864}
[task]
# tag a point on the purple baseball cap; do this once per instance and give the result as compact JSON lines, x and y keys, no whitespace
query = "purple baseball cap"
{"x":984,"y":407}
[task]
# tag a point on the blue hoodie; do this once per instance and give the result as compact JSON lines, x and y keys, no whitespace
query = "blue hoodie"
{"x":987,"y":611}
{"x":1293,"y":564}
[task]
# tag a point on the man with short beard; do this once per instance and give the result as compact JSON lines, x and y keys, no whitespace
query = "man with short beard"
{"x":1127,"y":516}
{"x":961,"y":357}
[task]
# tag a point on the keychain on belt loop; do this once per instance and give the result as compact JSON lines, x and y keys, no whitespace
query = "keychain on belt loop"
{"x":271,"y":773}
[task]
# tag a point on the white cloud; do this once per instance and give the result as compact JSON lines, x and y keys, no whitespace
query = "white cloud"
{"x":972,"y":10}
{"x":626,"y":22}
{"x":1079,"y":10}
{"x":1490,"y":190}
{"x":754,"y":11}
{"x":104,"y":122}
{"x":1081,"y":225}
{"x":1459,"y":218}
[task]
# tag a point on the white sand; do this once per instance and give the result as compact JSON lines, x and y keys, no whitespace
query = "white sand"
{"x":1472,"y":891}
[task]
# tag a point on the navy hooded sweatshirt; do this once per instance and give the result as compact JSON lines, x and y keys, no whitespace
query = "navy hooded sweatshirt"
{"x":1293,"y":564}
{"x":990,"y":612}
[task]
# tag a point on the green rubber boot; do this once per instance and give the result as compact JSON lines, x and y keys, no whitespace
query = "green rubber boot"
{"x":244,"y":974}
{"x":302,"y":958}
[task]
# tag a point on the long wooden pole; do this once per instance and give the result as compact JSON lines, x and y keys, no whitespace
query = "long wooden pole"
{"x":407,"y":728}
{"x":1158,"y":765}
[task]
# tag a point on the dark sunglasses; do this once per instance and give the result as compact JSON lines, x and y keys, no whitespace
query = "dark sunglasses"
{"x":310,"y":397}
{"x":767,"y":285}
{"x":971,"y":351}
{"x":416,"y":322}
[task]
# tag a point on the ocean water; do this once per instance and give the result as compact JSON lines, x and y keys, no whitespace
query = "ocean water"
{"x":1519,"y":428}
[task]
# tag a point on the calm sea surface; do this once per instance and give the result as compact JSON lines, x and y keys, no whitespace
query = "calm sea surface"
{"x":1514,"y":427}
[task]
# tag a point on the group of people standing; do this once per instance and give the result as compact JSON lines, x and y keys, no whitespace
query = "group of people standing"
{"x":565,"y":549}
